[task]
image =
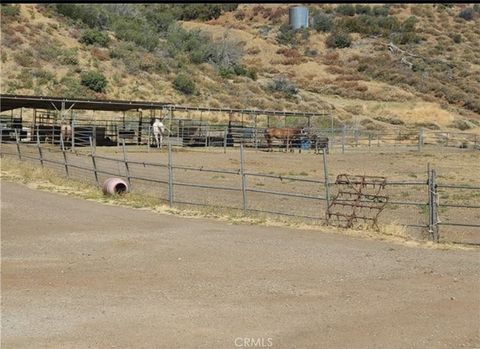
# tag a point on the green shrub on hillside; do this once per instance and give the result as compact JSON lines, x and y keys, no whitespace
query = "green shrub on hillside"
{"x":199,"y":48}
{"x":338,"y":40}
{"x":194,"y":43}
{"x":285,"y":35}
{"x":49,"y":52}
{"x":387,"y":26}
{"x":282,"y":84}
{"x":362,"y":9}
{"x":25,"y":58}
{"x":70,"y":87}
{"x":289,"y":36}
{"x":9,"y":10}
{"x":157,"y":16}
{"x":161,"y":20}
{"x":136,"y":31}
{"x":95,"y":37}
{"x":184,"y":84}
{"x":381,"y":10}
{"x":467,"y":14}
{"x":345,"y":9}
{"x":202,"y":12}
{"x":237,"y":70}
{"x":457,"y":38}
{"x":322,"y":22}
{"x":95,"y":16}
{"x":409,"y":24}
{"x":462,"y":125}
{"x":69,"y":57}
{"x":94,"y":80}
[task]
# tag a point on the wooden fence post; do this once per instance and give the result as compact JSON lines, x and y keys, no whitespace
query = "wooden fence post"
{"x":65,"y":161}
{"x":343,"y":140}
{"x":17,"y":141}
{"x":125,"y":160}
{"x":327,"y":188}
{"x":243,"y":178}
{"x":170,"y":175}
{"x":40,"y":153}
{"x":93,"y":152}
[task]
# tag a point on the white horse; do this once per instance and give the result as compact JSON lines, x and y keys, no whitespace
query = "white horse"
{"x":158,"y":132}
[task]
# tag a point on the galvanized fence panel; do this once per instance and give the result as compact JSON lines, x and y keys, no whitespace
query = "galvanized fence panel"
{"x":423,"y":204}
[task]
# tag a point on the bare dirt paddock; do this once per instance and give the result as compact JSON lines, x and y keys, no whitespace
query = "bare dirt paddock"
{"x":78,"y":274}
{"x":452,"y":165}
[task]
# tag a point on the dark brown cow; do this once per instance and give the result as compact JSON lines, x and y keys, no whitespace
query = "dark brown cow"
{"x":287,"y":134}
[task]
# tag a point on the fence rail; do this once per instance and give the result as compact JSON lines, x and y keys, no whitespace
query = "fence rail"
{"x":190,"y":132}
{"x":309,"y":202}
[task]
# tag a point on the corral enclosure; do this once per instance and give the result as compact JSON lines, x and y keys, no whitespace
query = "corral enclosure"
{"x":284,"y":183}
{"x":429,"y":174}
{"x":112,"y":122}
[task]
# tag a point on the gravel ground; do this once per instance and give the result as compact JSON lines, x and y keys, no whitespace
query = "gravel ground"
{"x":79,"y":274}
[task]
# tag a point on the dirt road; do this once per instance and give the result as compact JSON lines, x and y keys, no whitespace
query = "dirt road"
{"x":78,"y":274}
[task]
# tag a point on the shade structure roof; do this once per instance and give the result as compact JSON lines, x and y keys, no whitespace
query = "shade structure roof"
{"x":9,"y":102}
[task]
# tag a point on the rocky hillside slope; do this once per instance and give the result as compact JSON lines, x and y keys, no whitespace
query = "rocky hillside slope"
{"x":379,"y":66}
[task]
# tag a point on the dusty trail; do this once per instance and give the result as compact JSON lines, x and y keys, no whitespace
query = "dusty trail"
{"x":78,"y":274}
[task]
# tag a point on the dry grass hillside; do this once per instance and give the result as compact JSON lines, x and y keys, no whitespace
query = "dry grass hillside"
{"x":433,"y":80}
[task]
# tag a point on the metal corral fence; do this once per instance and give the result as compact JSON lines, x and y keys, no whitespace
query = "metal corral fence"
{"x":233,"y":185}
{"x":198,"y":133}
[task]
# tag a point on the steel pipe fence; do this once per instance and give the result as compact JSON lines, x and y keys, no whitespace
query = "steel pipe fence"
{"x":193,"y":132}
{"x":185,"y":184}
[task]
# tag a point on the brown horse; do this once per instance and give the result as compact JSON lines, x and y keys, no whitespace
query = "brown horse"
{"x":287,"y":134}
